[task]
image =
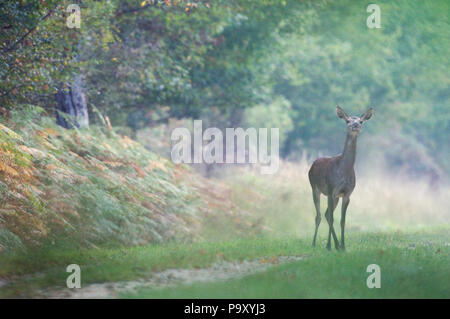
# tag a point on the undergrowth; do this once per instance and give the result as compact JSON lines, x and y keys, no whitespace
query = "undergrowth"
{"x":93,"y":186}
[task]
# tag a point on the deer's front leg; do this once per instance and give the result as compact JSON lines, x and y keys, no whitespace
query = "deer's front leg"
{"x":316,"y":198}
{"x":345,"y":202}
{"x":332,"y":203}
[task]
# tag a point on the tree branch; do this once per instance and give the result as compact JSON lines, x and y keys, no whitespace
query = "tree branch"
{"x":12,"y":47}
{"x":131,"y":10}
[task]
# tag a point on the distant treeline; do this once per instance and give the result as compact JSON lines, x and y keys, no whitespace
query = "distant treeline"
{"x":257,"y":63}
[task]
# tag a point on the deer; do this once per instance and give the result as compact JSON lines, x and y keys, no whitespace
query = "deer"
{"x":334,"y":177}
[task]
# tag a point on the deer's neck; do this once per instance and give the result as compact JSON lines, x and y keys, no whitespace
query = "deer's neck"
{"x":349,"y":153}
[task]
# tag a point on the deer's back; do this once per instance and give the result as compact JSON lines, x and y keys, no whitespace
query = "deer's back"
{"x":325,"y":175}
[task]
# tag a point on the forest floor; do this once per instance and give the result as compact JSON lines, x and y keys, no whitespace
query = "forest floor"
{"x":413,"y":265}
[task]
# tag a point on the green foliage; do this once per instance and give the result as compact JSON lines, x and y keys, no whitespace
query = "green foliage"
{"x":277,"y":114}
{"x":182,"y":57}
{"x":147,"y":62}
{"x":142,"y":56}
{"x":36,"y":48}
{"x":400,"y":70}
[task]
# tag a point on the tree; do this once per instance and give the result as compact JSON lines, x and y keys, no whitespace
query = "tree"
{"x":35,"y":50}
{"x":72,"y":101}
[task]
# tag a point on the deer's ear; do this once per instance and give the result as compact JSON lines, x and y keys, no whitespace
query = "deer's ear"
{"x":367,"y":115}
{"x":340,"y":112}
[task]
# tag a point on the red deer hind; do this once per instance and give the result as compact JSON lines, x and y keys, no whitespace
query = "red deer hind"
{"x":335,"y":177}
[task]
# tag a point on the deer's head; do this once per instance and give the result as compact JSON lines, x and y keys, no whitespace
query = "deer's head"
{"x":354,"y":123}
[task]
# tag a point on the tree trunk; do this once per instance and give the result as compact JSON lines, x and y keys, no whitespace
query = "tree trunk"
{"x":72,"y":106}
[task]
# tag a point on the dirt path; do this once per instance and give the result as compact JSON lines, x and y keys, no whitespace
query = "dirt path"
{"x":171,"y":277}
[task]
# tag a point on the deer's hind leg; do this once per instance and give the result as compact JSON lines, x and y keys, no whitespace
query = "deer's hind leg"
{"x":332,"y":203}
{"x":345,"y":202}
{"x":316,"y":198}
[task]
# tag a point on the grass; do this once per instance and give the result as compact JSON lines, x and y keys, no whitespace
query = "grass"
{"x":380,"y":201}
{"x":413,"y":265}
{"x":108,"y":265}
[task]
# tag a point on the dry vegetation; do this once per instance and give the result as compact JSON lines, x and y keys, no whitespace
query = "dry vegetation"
{"x":95,"y":187}
{"x":380,"y":202}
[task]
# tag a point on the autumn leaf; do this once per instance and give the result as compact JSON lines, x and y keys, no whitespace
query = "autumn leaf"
{"x":113,"y":164}
{"x":41,"y":133}
{"x":8,"y":170}
{"x":51,"y":131}
{"x":155,"y":165}
{"x":139,"y":170}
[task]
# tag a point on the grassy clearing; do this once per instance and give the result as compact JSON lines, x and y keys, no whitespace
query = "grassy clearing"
{"x":108,"y":265}
{"x":412,"y":266}
{"x":102,"y":201}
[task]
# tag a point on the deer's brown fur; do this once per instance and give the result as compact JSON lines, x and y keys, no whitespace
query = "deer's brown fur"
{"x":334,"y":177}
